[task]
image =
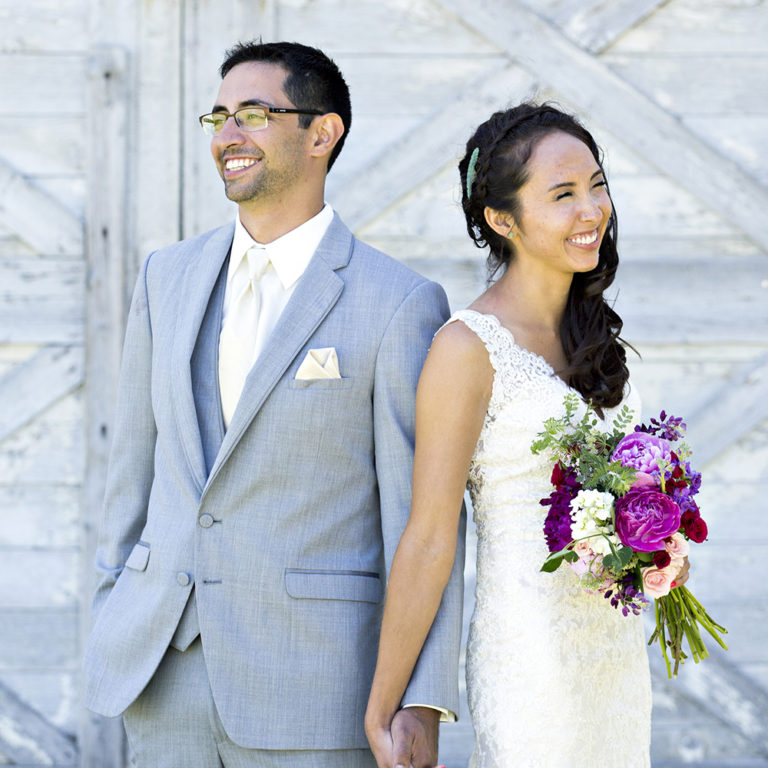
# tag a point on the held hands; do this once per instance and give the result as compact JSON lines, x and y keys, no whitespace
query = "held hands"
{"x":410,"y":740}
{"x":682,"y":574}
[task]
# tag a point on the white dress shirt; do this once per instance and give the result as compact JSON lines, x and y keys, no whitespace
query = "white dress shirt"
{"x":289,"y":256}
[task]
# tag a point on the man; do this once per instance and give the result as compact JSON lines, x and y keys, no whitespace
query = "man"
{"x":260,"y":474}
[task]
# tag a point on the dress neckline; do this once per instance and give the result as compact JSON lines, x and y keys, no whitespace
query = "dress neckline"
{"x":511,"y":338}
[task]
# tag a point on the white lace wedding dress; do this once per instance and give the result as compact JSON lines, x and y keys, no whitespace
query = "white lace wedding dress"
{"x":556,"y":678}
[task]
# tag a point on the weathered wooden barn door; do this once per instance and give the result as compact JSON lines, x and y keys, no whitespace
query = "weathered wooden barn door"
{"x":101,"y":160}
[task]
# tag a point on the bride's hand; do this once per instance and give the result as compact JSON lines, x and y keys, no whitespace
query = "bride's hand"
{"x":682,"y":574}
{"x":380,"y":739}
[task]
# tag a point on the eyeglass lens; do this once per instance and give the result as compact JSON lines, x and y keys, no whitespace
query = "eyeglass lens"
{"x":247,"y":118}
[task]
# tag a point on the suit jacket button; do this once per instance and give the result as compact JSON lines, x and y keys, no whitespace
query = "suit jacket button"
{"x":206,"y":520}
{"x":183,"y":579}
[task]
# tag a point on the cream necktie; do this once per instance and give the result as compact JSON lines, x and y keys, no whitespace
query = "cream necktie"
{"x":238,"y":333}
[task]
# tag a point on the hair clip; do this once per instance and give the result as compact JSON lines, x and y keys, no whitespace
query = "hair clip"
{"x":471,"y":170}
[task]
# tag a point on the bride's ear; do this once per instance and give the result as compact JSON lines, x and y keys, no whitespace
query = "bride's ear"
{"x":500,"y":222}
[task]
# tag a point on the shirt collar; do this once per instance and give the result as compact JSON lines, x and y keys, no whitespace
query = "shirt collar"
{"x":290,"y":253}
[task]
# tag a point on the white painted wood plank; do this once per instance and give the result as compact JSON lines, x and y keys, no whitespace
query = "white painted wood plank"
{"x":371,"y":27}
{"x":733,"y":411}
{"x":697,"y":85}
{"x":51,"y":447}
{"x":744,"y":138}
{"x":55,"y":147}
{"x":36,"y":217}
{"x":427,"y":149}
{"x":596,"y":24}
{"x":54,"y":695}
{"x":691,"y":26}
{"x":602,"y":94}
{"x":58,"y":80}
{"x":27,"y":737}
{"x":31,"y":387}
{"x":42,"y":301}
{"x":43,"y":26}
{"x":31,"y":578}
{"x":721,"y":689}
{"x":39,"y":640}
{"x":39,"y":515}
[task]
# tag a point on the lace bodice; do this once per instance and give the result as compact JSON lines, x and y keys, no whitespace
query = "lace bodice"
{"x":551,"y":671}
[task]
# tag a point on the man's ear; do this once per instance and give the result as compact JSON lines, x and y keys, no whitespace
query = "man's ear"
{"x":500,"y":222}
{"x":326,"y":131}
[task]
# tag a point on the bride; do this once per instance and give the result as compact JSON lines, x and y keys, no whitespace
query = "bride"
{"x":554,"y":677}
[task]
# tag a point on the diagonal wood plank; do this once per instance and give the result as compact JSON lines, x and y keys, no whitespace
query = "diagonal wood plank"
{"x":36,"y":217}
{"x":27,"y":737}
{"x":430,"y":146}
{"x":597,"y":24}
{"x":655,"y":134}
{"x":30,"y":387}
{"x":722,"y":690}
{"x":733,"y":411}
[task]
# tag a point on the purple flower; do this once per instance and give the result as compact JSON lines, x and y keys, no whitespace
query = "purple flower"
{"x":557,"y":526}
{"x":642,"y":452}
{"x":644,"y":518}
{"x":669,"y":427}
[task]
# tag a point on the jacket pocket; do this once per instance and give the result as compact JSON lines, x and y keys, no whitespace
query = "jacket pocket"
{"x":139,"y":557}
{"x":313,"y":584}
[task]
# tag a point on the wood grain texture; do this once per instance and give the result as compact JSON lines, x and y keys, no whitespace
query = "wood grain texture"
{"x":655,"y":133}
{"x":29,"y":388}
{"x":42,"y":301}
{"x":36,"y":217}
{"x":25,"y":736}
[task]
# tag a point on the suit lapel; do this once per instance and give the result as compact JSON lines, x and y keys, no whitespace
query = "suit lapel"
{"x":195,"y":291}
{"x":317,"y":291}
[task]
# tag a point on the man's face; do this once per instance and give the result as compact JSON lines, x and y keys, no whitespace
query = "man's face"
{"x":265,"y":165}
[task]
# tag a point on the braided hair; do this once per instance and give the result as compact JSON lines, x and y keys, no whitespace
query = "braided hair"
{"x":590,"y":328}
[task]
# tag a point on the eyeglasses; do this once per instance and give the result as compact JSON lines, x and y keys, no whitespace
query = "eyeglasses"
{"x":247,"y":118}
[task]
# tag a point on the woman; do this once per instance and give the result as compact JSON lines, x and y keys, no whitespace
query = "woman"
{"x":555,"y":677}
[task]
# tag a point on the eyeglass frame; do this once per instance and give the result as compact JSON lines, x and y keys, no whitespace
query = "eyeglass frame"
{"x":267,"y":111}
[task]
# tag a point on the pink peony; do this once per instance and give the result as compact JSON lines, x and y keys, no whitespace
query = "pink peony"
{"x":645,"y":518}
{"x":641,"y":451}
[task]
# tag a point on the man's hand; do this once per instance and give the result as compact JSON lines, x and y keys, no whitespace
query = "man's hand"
{"x":414,"y":733}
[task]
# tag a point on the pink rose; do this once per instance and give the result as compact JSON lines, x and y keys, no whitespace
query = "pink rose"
{"x":658,"y":581}
{"x":587,"y":559}
{"x":677,"y":546}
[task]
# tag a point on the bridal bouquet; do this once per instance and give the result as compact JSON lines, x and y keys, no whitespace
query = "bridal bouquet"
{"x":622,"y":514}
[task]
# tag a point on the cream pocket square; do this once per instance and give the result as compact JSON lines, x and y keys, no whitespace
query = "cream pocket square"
{"x":320,"y":364}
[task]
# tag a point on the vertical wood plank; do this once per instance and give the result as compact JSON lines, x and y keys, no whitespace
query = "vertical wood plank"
{"x":111,"y":270}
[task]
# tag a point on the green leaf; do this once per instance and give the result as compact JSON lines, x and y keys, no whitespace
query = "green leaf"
{"x":619,"y":561}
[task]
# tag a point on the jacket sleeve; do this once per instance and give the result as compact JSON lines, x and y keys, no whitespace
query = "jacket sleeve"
{"x":399,"y":362}
{"x":130,"y":471}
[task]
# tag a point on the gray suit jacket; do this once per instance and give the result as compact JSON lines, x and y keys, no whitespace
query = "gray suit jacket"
{"x":286,"y":525}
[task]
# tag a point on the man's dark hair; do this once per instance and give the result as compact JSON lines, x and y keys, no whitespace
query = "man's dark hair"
{"x":313,"y":80}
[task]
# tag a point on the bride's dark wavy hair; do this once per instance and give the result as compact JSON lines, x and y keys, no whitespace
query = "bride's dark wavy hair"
{"x":590,"y":328}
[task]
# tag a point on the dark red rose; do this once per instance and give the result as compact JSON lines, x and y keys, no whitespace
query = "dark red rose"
{"x":689,"y":516}
{"x":661,"y":559}
{"x":697,"y":530}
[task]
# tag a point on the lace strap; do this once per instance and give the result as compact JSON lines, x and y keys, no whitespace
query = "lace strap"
{"x":489,"y":330}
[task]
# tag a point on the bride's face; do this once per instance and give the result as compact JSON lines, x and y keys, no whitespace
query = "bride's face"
{"x":564,"y":207}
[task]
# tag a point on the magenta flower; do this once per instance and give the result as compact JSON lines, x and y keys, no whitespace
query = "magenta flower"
{"x":644,"y":518}
{"x":642,"y":451}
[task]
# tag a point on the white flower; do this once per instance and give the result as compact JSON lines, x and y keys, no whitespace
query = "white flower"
{"x":598,"y":505}
{"x":592,"y":515}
